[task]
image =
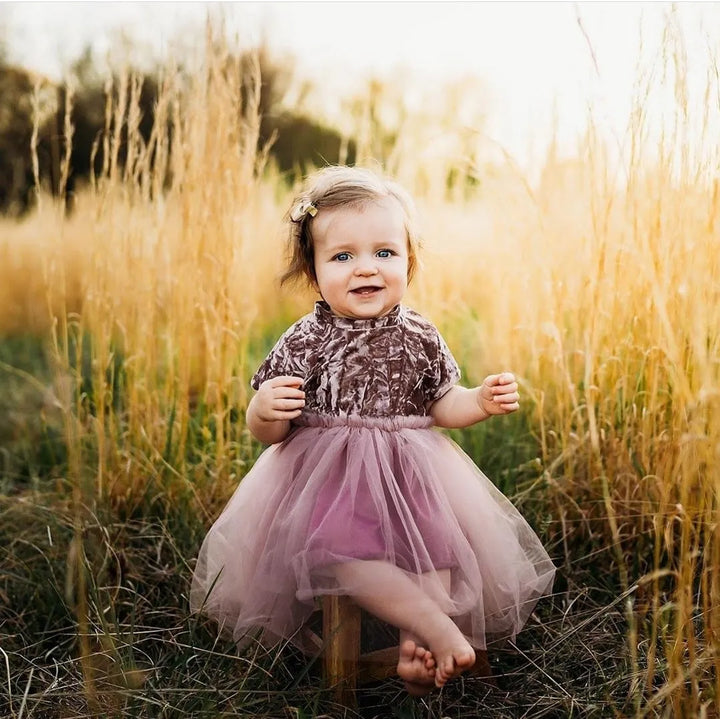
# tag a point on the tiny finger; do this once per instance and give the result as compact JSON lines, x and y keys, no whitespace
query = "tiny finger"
{"x":286,"y":405}
{"x":506,"y":398}
{"x":290,"y":393}
{"x":286,"y":381}
{"x":510,"y":407}
{"x":504,"y":389}
{"x":281,"y":414}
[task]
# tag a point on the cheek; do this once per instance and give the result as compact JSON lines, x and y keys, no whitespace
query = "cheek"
{"x":327,"y":278}
{"x":405,"y":269}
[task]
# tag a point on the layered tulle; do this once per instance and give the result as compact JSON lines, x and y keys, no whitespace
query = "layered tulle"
{"x":346,"y":489}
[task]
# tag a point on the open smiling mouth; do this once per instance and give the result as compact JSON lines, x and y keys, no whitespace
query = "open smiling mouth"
{"x":366,"y":290}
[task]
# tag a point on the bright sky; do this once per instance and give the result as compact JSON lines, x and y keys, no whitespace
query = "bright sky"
{"x":533,"y":58}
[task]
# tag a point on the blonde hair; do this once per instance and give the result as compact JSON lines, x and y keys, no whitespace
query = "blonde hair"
{"x":340,"y":186}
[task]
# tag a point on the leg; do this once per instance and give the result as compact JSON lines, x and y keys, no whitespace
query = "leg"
{"x":416,"y":664}
{"x":385,"y":591}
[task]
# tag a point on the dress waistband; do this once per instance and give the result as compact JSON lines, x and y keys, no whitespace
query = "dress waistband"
{"x":310,"y":419}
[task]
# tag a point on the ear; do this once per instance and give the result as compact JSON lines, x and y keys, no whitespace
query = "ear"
{"x":314,"y":284}
{"x":312,"y":281}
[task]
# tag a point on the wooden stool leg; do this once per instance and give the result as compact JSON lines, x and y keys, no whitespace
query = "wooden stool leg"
{"x":345,"y":666}
{"x":341,"y":636}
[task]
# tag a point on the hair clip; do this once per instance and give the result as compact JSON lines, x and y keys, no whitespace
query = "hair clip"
{"x":304,"y":207}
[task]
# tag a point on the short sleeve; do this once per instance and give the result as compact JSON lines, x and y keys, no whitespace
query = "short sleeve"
{"x":443,"y":370}
{"x":287,"y":357}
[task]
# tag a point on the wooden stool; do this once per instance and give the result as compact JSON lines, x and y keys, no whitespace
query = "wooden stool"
{"x":345,"y":667}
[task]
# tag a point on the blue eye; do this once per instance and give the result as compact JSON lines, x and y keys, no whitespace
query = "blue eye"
{"x":384,"y":254}
{"x":342,"y":256}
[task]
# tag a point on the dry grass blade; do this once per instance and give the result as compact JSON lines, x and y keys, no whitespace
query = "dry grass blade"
{"x":130,"y":327}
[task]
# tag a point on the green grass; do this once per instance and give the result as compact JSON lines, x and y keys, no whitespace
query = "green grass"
{"x":151,"y":658}
{"x":146,"y":656}
{"x":31,"y":444}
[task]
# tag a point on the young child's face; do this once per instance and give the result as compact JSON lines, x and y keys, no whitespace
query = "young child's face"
{"x":361,"y":258}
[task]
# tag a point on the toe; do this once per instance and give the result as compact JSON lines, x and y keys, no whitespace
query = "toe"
{"x":465,"y":660}
{"x":407,"y":651}
{"x":444,"y":671}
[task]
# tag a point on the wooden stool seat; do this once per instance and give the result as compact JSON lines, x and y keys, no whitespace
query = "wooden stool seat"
{"x":345,"y":666}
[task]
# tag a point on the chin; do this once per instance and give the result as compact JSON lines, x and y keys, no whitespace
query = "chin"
{"x":373,"y":314}
{"x":361,"y":314}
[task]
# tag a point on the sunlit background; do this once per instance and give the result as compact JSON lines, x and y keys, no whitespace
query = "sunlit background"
{"x":565,"y":160}
{"x":531,"y":70}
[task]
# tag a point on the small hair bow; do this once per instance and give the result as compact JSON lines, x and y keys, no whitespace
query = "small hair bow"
{"x":304,"y":207}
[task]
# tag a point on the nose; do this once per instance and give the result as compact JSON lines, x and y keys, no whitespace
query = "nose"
{"x":366,"y":267}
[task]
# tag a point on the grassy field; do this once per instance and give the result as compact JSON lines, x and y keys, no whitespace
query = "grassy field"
{"x":131,"y":326}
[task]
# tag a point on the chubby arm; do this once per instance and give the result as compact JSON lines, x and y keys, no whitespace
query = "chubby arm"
{"x":461,"y":407}
{"x":278,"y":400}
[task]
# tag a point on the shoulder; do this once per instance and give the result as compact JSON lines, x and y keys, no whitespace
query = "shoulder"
{"x":288,"y":356}
{"x":427,"y":336}
{"x":415,"y":322}
{"x":300,"y":329}
{"x":432,"y":354}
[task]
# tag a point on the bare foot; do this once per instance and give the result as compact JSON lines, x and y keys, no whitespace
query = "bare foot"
{"x":453,"y":661}
{"x":452,"y":652}
{"x":416,"y":665}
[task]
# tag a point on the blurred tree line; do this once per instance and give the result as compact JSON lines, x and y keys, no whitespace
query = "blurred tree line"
{"x":33,"y":127}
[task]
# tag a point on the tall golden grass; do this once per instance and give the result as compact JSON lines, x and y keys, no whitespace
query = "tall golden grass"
{"x":599,"y":288}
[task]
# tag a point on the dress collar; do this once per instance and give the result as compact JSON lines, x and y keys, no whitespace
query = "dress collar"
{"x":324,"y":315}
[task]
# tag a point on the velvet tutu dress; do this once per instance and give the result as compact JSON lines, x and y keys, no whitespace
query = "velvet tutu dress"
{"x":364,"y":476}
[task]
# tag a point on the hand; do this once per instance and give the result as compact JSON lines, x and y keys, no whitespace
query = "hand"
{"x":278,"y":399}
{"x":499,"y":394}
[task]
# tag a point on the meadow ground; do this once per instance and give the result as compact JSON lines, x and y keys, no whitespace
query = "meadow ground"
{"x":130,"y":328}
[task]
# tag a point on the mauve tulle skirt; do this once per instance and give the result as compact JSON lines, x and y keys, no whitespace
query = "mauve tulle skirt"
{"x":346,"y":489}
